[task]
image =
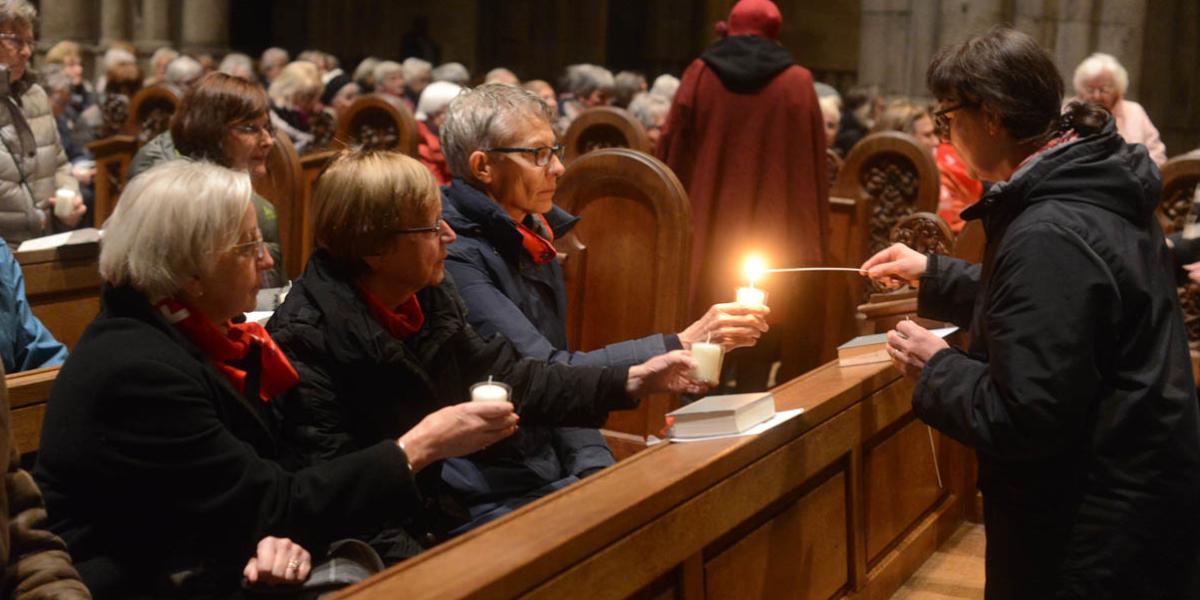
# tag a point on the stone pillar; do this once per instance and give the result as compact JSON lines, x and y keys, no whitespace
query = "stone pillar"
{"x":205,"y":26}
{"x":1073,"y":38}
{"x":1120,"y":33}
{"x":65,"y":20}
{"x":885,"y":45}
{"x":114,"y":21}
{"x":155,"y":26}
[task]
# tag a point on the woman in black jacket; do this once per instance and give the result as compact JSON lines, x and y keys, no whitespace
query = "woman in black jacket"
{"x":380,"y":338}
{"x":1076,"y":391}
{"x":160,"y":461}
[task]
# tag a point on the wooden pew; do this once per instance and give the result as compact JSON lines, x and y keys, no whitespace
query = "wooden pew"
{"x":896,"y":175}
{"x":301,"y":243}
{"x":839,"y":502}
{"x":926,"y":233}
{"x":628,"y":276}
{"x":150,"y":112}
{"x":28,"y":392}
{"x":63,"y":288}
{"x":284,"y":188}
{"x":604,"y":127}
{"x":113,"y":155}
{"x":1181,"y":183}
{"x":374,"y":122}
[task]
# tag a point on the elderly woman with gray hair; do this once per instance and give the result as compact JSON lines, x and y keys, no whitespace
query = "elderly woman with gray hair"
{"x":160,"y":463}
{"x":651,"y":111}
{"x":1100,"y":78}
{"x":584,"y":86}
{"x":33,"y":165}
{"x":502,"y":153}
{"x":431,"y":113}
{"x":295,"y":95}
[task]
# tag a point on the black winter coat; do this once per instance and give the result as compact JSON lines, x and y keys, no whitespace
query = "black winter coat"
{"x":152,"y":463}
{"x":1077,"y":391}
{"x":360,"y":385}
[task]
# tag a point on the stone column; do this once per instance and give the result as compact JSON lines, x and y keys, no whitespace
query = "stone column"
{"x":155,"y":26}
{"x":205,"y":26}
{"x":1073,"y":39}
{"x":1120,"y":33}
{"x":65,"y":20}
{"x":885,"y":45}
{"x":114,"y":21}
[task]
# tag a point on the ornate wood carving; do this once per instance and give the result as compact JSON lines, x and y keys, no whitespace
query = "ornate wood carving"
{"x":1181,"y":176}
{"x":150,"y":112}
{"x":834,"y":162}
{"x":323,"y":128}
{"x":604,"y":127}
{"x":924,"y":232}
{"x":373,"y":122}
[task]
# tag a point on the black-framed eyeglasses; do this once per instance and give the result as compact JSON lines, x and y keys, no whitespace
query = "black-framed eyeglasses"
{"x":256,"y":248}
{"x":941,"y":124}
{"x":435,"y":228}
{"x":253,"y":129}
{"x":17,"y":41}
{"x":541,"y":154}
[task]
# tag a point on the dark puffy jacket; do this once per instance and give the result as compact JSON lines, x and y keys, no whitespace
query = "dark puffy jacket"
{"x":359,"y":385}
{"x":507,"y":293}
{"x":1077,"y":391}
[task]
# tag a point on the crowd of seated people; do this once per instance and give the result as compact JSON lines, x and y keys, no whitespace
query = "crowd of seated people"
{"x":189,"y":454}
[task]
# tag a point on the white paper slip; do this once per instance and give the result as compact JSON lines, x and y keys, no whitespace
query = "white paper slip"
{"x":259,"y":316}
{"x":68,"y":238}
{"x":779,"y":417}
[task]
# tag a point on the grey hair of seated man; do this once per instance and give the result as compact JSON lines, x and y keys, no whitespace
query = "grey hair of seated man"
{"x":273,"y":57}
{"x":665,"y":86}
{"x":486,"y":117}
{"x":583,"y":80}
{"x":18,"y":13}
{"x":417,"y":70}
{"x":649,"y":109}
{"x":183,"y":70}
{"x":171,"y":224}
{"x":238,"y":65}
{"x":452,"y":72}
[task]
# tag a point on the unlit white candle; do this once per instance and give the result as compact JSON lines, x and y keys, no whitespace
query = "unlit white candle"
{"x":489,"y":392}
{"x":708,"y":362}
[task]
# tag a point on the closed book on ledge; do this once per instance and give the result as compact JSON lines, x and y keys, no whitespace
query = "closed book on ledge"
{"x":722,"y":415}
{"x":867,"y":349}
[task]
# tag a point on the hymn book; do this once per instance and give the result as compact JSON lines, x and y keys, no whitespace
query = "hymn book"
{"x":867,"y":349}
{"x":722,"y":415}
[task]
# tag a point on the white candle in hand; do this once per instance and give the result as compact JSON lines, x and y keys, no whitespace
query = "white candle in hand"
{"x":751,"y":296}
{"x":708,"y":362}
{"x":490,"y":391}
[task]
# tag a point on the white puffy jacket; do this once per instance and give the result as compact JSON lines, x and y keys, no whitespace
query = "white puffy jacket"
{"x":24,"y":215}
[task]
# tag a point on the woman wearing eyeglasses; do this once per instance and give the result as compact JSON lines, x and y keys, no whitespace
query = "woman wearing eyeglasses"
{"x":33,"y":164}
{"x":500,"y":146}
{"x":160,"y":461}
{"x":223,"y":119}
{"x":1076,"y":391}
{"x":380,"y":338}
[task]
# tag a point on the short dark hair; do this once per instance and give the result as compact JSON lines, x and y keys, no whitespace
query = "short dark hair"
{"x":206,"y":112}
{"x":1008,"y":72}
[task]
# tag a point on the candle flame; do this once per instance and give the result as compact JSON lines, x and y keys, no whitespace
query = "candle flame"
{"x":755,"y":268}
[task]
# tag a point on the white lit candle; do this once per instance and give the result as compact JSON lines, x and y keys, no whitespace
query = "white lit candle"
{"x":751,"y":296}
{"x":490,"y":391}
{"x":708,"y":362}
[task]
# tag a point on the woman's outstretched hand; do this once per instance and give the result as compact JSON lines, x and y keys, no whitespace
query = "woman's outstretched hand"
{"x":666,"y":373}
{"x":896,"y":265}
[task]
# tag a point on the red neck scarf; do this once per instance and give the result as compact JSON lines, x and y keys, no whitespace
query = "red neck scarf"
{"x":1058,"y":141}
{"x":400,"y":322}
{"x":540,"y":249}
{"x":221,"y":347}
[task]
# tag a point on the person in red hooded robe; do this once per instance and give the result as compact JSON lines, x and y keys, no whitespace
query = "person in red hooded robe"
{"x":746,"y":138}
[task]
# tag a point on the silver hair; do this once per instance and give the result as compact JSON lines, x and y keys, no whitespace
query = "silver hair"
{"x":386,"y":68}
{"x":583,"y":80}
{"x":501,"y":75}
{"x":299,"y":79}
{"x":1099,"y":63}
{"x":171,"y":224}
{"x":485,"y":117}
{"x":416,"y":69}
{"x":452,"y":72}
{"x":273,"y":56}
{"x":182,"y":70}
{"x":435,"y":98}
{"x":54,"y":79}
{"x":649,"y":109}
{"x":118,"y":56}
{"x":665,"y":86}
{"x":17,"y":12}
{"x":366,"y":69}
{"x":163,"y":54}
{"x":238,"y":65}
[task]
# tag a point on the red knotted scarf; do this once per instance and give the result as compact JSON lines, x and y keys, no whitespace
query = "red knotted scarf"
{"x":221,"y":347}
{"x":400,"y":322}
{"x":540,"y":249}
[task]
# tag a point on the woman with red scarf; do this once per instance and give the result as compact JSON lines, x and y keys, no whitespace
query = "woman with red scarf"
{"x":160,"y":463}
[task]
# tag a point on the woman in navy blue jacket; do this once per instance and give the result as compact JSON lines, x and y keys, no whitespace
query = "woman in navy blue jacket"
{"x":499,"y":145}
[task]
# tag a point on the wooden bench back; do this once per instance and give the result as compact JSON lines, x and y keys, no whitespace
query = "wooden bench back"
{"x":62,"y":286}
{"x":1181,"y":183}
{"x":627,"y":277}
{"x":150,"y":112}
{"x":898,"y":177}
{"x":284,"y":188}
{"x":374,"y":122}
{"x":604,"y":127}
{"x":28,"y":392}
{"x":113,"y":155}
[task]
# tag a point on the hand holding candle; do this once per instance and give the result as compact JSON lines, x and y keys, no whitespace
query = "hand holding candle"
{"x":491,"y":391}
{"x":666,"y":373}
